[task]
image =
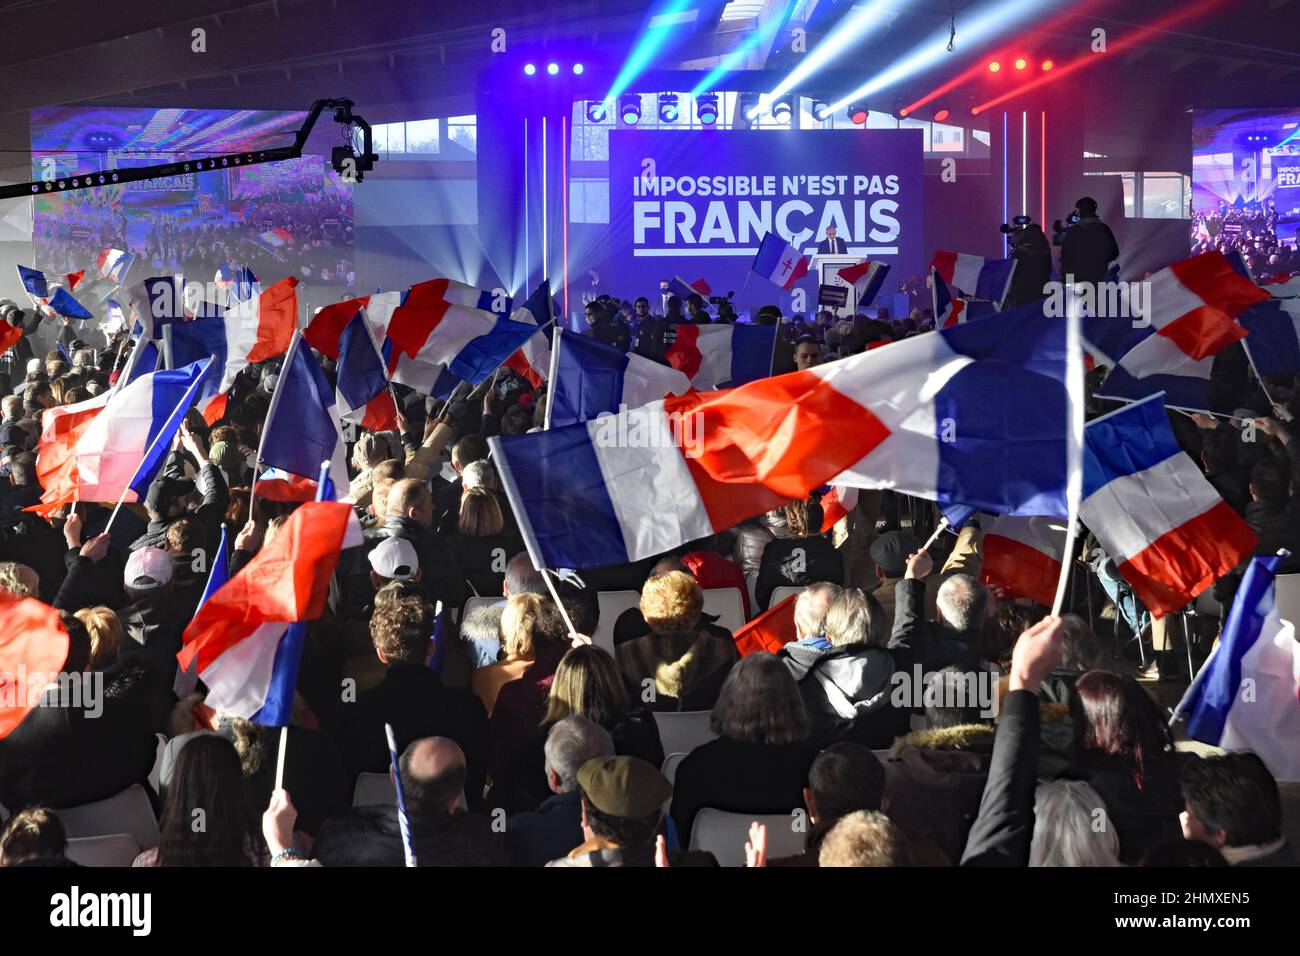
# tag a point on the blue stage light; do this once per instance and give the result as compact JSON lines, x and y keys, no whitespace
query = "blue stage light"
{"x":706,"y":108}
{"x":530,"y":69}
{"x":597,"y":111}
{"x":553,"y":68}
{"x":577,"y":69}
{"x":668,"y":109}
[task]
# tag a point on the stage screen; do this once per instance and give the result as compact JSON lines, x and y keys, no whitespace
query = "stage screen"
{"x":1246,"y":185}
{"x":278,"y":219}
{"x":696,"y":204}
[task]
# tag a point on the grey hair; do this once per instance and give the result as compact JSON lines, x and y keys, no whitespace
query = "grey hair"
{"x":855,"y":617}
{"x":811,"y":605}
{"x":521,"y":577}
{"x":962,"y":601}
{"x":571,"y":743}
{"x":479,"y":474}
{"x":1071,"y":827}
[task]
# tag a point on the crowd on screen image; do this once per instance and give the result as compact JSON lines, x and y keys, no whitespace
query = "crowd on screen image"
{"x":641,"y":729}
{"x":1250,"y":230}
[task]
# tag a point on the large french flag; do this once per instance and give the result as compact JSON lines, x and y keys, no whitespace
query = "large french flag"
{"x":533,"y":359}
{"x":248,"y":332}
{"x":113,"y":264}
{"x":976,"y":276}
{"x":302,"y":423}
{"x":1023,"y":554}
{"x":1191,"y":316}
{"x":866,"y":277}
{"x":722,"y":353}
{"x":326,"y":327}
{"x":103,"y":451}
{"x":779,"y":262}
{"x":1247,"y":696}
{"x":245,"y":641}
{"x":362,"y":384}
{"x":592,"y":379}
{"x":1273,"y":336}
{"x":1154,"y":512}
{"x":628,"y":486}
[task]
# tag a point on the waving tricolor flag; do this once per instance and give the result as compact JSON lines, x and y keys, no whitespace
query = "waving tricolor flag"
{"x":238,"y":282}
{"x":779,"y":262}
{"x":684,"y":290}
{"x":1284,"y":285}
{"x":836,"y":503}
{"x":948,"y":311}
{"x":533,"y":359}
{"x":1191,"y":317}
{"x":866,"y":277}
{"x":113,"y":264}
{"x":59,"y":303}
{"x":722,"y":353}
{"x":1273,"y":336}
{"x":248,"y":332}
{"x":1247,"y":696}
{"x":1022,"y":555}
{"x":245,"y":641}
{"x":364,"y":396}
{"x":975,"y":276}
{"x":1153,"y":511}
{"x":33,"y":652}
{"x":976,"y":414}
{"x":592,"y":379}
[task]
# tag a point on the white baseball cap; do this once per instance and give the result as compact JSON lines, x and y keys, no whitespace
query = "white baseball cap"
{"x":148,"y":568}
{"x":395,"y":559}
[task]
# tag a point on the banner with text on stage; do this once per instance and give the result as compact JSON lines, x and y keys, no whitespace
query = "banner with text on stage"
{"x":700,"y":202}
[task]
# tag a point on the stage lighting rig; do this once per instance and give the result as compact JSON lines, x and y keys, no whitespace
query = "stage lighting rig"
{"x":858,"y":114}
{"x":629,"y":108}
{"x":706,"y":108}
{"x":597,"y":111}
{"x":781,"y":110}
{"x":669,"y":111}
{"x":356,"y":134}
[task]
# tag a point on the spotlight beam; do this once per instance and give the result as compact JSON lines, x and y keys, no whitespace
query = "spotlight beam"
{"x":756,"y":40}
{"x":659,"y":28}
{"x":978,"y":28}
{"x":1115,"y":46}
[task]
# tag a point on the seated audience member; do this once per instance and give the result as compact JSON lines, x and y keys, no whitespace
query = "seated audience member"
{"x":686,"y":663}
{"x":864,"y":838}
{"x":207,"y":784}
{"x":586,"y":683}
{"x":631,"y":624}
{"x":152,"y":618}
{"x":844,"y":778}
{"x":1067,"y":828}
{"x":394,"y":559}
{"x":889,"y":553}
{"x":810,"y":641}
{"x":753,"y":537}
{"x":410,"y":697}
{"x":936,"y":776}
{"x":759,"y":761}
{"x":530,"y":627}
{"x":555,"y":827}
{"x":19,"y":580}
{"x":802,"y":558}
{"x":433,"y":776}
{"x":77,"y":749}
{"x":409,"y":515}
{"x":1122,"y":748}
{"x":1231,"y":802}
{"x":622,"y":800}
{"x":711,"y":570}
{"x":34,"y":837}
{"x":482,"y":541}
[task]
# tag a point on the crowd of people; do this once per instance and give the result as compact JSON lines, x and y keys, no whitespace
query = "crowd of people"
{"x":524,"y":741}
{"x":1252,"y":230}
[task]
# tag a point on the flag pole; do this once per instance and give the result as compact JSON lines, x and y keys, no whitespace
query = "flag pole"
{"x":403,"y":819}
{"x":555,"y":596}
{"x":550,"y":377}
{"x":942,"y":527}
{"x":279,"y":760}
{"x":1076,"y":409}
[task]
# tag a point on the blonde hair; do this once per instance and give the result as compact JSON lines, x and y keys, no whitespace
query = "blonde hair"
{"x":480,"y":513}
{"x":105,"y":630}
{"x":672,"y":602}
{"x":19,"y":580}
{"x":864,"y":838}
{"x":519,"y":624}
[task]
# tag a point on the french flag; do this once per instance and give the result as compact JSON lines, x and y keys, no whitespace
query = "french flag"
{"x":218,"y":575}
{"x":113,"y":264}
{"x":144,"y":358}
{"x":60,"y":303}
{"x":948,"y":311}
{"x":592,"y":379}
{"x":624,"y":487}
{"x":362,"y":387}
{"x":722,"y":353}
{"x":1284,"y":285}
{"x":327,"y":325}
{"x":684,"y":290}
{"x":302,"y":423}
{"x":432,"y":328}
{"x":779,"y":262}
{"x":1023,"y":554}
{"x":976,"y":276}
{"x":238,"y":282}
{"x":533,"y":359}
{"x":1247,"y":696}
{"x":113,"y":446}
{"x":866,"y":277}
{"x":1191,"y":316}
{"x":245,"y":641}
{"x":249,"y":332}
{"x":276,"y":484}
{"x":836,"y":503}
{"x":1273,"y":336}
{"x":1154,"y":512}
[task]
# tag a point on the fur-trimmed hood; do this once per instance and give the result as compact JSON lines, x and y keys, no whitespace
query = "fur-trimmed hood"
{"x":964,"y":738}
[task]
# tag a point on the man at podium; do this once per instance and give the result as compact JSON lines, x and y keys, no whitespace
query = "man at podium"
{"x":831,"y":245}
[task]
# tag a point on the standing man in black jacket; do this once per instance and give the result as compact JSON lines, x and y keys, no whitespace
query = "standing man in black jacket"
{"x":1088,"y":247}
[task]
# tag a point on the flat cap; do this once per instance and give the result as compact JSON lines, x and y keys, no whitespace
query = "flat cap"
{"x":890,"y":550}
{"x":624,"y":786}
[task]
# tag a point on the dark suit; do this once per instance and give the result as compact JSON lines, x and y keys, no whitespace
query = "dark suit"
{"x":832,"y":247}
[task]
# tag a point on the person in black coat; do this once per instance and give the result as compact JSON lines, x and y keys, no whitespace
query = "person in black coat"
{"x":434,"y":776}
{"x":410,"y":516}
{"x":1088,"y":247}
{"x":167,"y":499}
{"x":759,"y":762}
{"x":1033,"y":257}
{"x":803,"y":558}
{"x":607,"y":326}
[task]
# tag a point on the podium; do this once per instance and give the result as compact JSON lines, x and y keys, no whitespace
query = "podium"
{"x":828,"y":267}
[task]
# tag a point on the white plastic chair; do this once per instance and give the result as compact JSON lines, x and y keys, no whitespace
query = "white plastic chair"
{"x":127,"y":812}
{"x":612,"y":604}
{"x":726,"y":603}
{"x":157,"y":763}
{"x":725,"y":834}
{"x":114,"y":849}
{"x":781,"y":593}
{"x":372,"y":789}
{"x":683,"y":731}
{"x":671,"y":763}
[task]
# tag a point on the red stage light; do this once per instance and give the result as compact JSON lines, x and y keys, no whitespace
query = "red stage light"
{"x":1047,"y":65}
{"x":1021,"y":63}
{"x":940,"y":115}
{"x":858,"y":117}
{"x":994,"y":66}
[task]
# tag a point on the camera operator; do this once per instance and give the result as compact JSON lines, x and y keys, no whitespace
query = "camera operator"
{"x":1088,"y":247}
{"x":1033,"y":256}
